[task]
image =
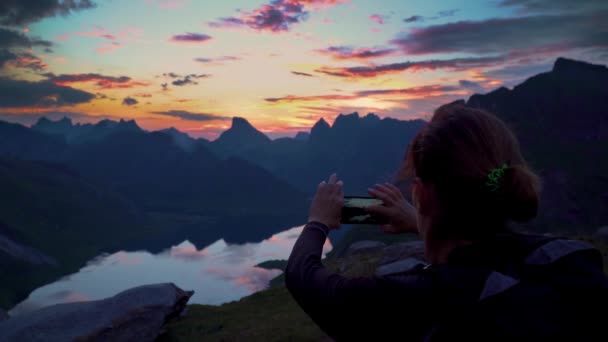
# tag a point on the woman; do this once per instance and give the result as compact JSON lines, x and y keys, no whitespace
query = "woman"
{"x":482,"y":282}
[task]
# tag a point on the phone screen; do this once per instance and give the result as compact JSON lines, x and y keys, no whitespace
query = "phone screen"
{"x":354,"y":212}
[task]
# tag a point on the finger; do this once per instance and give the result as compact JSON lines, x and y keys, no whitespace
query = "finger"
{"x":388,"y":192}
{"x":320,"y":186}
{"x":332,"y":179}
{"x":378,"y":210}
{"x":383,"y":194}
{"x":394,"y":189}
{"x":379,"y":195}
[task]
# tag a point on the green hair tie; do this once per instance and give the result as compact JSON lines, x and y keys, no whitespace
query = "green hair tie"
{"x":494,"y":177}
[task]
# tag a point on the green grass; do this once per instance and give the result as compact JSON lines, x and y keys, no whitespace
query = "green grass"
{"x":270,"y":315}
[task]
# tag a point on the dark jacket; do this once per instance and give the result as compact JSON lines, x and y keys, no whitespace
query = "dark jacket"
{"x":513,"y":287}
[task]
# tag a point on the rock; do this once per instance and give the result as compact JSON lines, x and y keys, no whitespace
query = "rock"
{"x":137,"y":314}
{"x":398,"y":266}
{"x":410,"y":249}
{"x":364,"y":246}
{"x":3,"y":315}
{"x":601,"y":234}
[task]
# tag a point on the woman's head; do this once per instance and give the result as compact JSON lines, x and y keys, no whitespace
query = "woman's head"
{"x":450,"y":160}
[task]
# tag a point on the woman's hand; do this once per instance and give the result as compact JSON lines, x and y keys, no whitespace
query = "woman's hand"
{"x":401,"y":214}
{"x":327,"y":204}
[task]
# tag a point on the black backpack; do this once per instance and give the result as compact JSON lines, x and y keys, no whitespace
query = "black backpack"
{"x":550,"y":290}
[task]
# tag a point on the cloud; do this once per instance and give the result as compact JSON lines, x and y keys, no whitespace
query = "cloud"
{"x":96,"y":32}
{"x":440,"y":14}
{"x":182,"y":114}
{"x":129,"y":101}
{"x":421,"y":91}
{"x":17,"y":93}
{"x":167,"y":4}
{"x":447,"y":13}
{"x":377,"y":18}
{"x":27,"y":60}
{"x":297,"y":73}
{"x":188,"y":79}
{"x":16,"y":39}
{"x":5,"y":56}
{"x":218,"y":60}
{"x":23,"y":12}
{"x":554,"y":5}
{"x":474,"y":86}
{"x":190,"y":37}
{"x":413,"y":19}
{"x":294,"y":98}
{"x":102,"y":81}
{"x":277,"y":16}
{"x":557,"y":32}
{"x":108,"y":47}
{"x":383,"y":69}
{"x":346,"y":52}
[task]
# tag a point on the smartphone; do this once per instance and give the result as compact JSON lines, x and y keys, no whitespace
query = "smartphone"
{"x":354,"y":212}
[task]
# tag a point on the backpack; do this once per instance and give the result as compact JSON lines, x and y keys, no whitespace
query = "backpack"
{"x":552,"y":289}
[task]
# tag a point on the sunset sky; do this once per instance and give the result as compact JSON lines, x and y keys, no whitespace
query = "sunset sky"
{"x":282,"y":64}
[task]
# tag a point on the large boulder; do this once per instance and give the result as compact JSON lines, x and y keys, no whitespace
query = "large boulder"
{"x":137,"y":314}
{"x":404,"y":250}
{"x":365,"y":246}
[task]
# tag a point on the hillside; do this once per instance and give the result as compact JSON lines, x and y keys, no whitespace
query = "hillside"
{"x":51,"y":211}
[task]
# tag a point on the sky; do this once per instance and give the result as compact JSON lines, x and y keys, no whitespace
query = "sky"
{"x":281,"y":64}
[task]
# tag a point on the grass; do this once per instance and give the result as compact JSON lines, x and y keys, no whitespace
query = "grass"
{"x":270,"y":315}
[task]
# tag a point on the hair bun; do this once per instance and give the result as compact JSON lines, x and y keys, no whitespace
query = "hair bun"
{"x":521,"y":189}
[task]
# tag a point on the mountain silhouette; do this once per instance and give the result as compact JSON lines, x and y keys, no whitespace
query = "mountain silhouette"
{"x":241,"y":136}
{"x":362,"y":150}
{"x":561,"y":120}
{"x":82,"y":133}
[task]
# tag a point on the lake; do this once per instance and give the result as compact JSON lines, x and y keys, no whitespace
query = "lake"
{"x":218,"y":273}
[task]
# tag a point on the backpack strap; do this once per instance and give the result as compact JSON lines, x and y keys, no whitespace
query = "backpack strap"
{"x":554,"y":250}
{"x":545,"y":254}
{"x":497,"y":283}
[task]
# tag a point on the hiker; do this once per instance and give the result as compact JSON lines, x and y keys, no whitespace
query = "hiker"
{"x":481,"y":281}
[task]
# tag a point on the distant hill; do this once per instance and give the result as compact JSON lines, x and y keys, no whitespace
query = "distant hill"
{"x":52,"y":220}
{"x":561,"y":119}
{"x":82,"y":133}
{"x":152,"y":170}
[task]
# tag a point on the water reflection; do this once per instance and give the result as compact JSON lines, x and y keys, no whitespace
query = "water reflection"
{"x":218,"y":273}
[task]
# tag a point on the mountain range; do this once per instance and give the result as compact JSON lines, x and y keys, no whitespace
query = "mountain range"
{"x":96,"y":182}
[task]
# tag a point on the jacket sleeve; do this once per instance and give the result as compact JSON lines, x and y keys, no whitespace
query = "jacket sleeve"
{"x":330,"y":299}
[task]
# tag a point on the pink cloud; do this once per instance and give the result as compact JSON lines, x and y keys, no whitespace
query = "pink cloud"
{"x":97,"y":32}
{"x":168,"y":4}
{"x":108,"y":48}
{"x":278,"y":16}
{"x":350,"y":53}
{"x":377,"y":18}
